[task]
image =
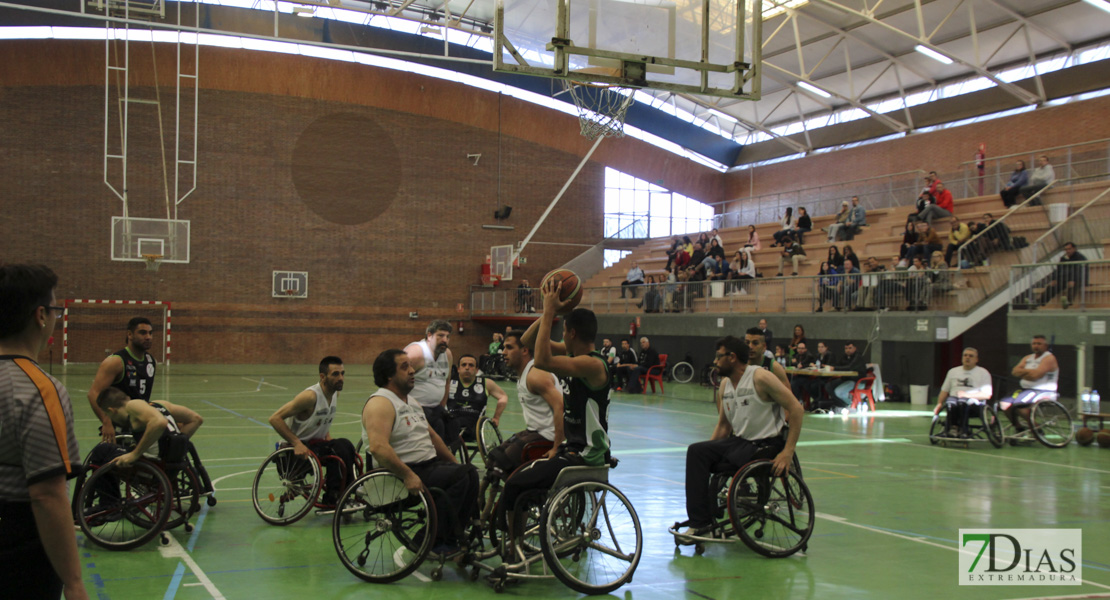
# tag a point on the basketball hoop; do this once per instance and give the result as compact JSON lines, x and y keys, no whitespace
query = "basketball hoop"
{"x":153,"y":261}
{"x":601,"y":107}
{"x":290,"y":292}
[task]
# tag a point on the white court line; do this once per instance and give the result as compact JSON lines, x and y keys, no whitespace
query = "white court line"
{"x":175,"y":550}
{"x":1075,"y":597}
{"x":400,"y":564}
{"x":810,"y":462}
{"x":844,"y":521}
{"x":219,"y":479}
{"x":262,"y":382}
{"x":237,"y":458}
{"x":1028,"y":460}
{"x":665,"y":479}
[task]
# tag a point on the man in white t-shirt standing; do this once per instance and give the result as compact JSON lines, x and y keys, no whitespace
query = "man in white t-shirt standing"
{"x":432,"y":361}
{"x":964,"y":386}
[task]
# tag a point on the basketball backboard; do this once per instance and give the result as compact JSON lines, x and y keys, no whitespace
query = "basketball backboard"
{"x":708,"y":47}
{"x":133,"y":238}
{"x":290,"y":284}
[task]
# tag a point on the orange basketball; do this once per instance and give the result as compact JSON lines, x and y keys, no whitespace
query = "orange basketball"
{"x":1084,"y":436}
{"x":570,"y":287}
{"x":1104,"y":438}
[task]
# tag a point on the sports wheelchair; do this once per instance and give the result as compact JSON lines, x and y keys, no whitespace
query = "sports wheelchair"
{"x":1049,"y":423}
{"x":981,"y":423}
{"x":124,"y":507}
{"x":771,"y":514}
{"x":287,"y":487}
{"x":484,"y":437}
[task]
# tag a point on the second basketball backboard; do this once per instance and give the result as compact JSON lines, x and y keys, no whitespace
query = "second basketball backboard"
{"x":708,"y":47}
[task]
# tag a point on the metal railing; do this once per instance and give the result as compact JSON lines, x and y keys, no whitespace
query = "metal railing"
{"x":1080,"y":160}
{"x":1087,"y":226}
{"x":929,"y":289}
{"x":1079,"y":285}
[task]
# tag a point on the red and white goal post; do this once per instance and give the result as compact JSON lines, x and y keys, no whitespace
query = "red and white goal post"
{"x":99,"y":327}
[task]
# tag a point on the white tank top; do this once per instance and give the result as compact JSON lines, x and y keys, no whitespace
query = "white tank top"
{"x":431,"y":381}
{"x":317,"y":425}
{"x":537,"y":412}
{"x":409,"y":437}
{"x":1046,"y":383}
{"x":751,"y":417}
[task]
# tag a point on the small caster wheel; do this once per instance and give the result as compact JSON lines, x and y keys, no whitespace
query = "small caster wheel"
{"x":211,"y":501}
{"x":499,"y":587}
{"x":474,"y":573}
{"x":437,"y":573}
{"x":164,"y":539}
{"x":699,"y":549}
{"x":188,"y":528}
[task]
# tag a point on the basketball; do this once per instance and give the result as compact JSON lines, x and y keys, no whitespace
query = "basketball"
{"x":1104,"y":438}
{"x":1084,"y":436}
{"x":571,"y":287}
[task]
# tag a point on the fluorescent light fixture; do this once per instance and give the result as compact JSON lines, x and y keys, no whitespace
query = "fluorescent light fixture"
{"x":933,"y":54}
{"x":814,"y":89}
{"x":304,"y":11}
{"x":1103,"y":4}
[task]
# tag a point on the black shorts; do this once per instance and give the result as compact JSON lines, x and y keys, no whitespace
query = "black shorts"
{"x":22,"y":556}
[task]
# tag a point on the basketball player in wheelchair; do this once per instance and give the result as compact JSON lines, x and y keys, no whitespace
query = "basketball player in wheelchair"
{"x":768,"y":505}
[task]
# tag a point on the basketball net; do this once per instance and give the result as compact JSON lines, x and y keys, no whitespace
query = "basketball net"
{"x":153,"y":261}
{"x":601,"y":107}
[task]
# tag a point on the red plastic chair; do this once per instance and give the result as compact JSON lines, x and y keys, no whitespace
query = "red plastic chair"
{"x":862,"y":389}
{"x":654,"y":374}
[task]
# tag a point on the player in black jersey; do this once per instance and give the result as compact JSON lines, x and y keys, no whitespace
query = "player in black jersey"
{"x":130,"y":370}
{"x":759,"y":356}
{"x":584,"y":374}
{"x":467,"y":396}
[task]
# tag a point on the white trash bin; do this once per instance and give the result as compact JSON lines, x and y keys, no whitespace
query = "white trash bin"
{"x":717,"y":289}
{"x":919,"y":394}
{"x":1057,"y":212}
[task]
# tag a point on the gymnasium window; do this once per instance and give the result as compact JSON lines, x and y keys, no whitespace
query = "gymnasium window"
{"x":635,"y":208}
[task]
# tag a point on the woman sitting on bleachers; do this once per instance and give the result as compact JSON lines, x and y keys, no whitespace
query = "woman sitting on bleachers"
{"x":835,"y":258}
{"x":826,"y":285}
{"x":785,"y":226}
{"x":715,"y":249}
{"x":743,"y":270}
{"x":841,"y":220}
{"x":909,"y":238}
{"x":752,"y":245}
{"x":850,"y":254}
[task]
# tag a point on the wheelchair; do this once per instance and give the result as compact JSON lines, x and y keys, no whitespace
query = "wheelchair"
{"x":982,"y":424}
{"x":287,"y":487}
{"x":122,"y":508}
{"x":1049,"y":423}
{"x":484,"y":437}
{"x":772,"y":514}
{"x":583,"y":531}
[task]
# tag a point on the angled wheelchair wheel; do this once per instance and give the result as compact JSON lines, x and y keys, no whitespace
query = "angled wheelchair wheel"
{"x":683,"y":372}
{"x":121,"y":508}
{"x":185,"y":502}
{"x":937,"y":429}
{"x":527,"y":516}
{"x":773,"y":514}
{"x":992,"y":423}
{"x":1051,"y":424}
{"x":591,"y":537}
{"x":488,"y":436}
{"x":381,"y":531}
{"x":286,"y":486}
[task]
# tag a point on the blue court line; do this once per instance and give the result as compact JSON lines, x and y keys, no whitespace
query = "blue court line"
{"x":240,"y":415}
{"x":179,"y":572}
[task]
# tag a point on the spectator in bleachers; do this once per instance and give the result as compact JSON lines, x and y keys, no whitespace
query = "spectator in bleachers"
{"x":857,"y":219}
{"x":721,"y":270}
{"x":959,"y":236}
{"x":931,"y":181}
{"x":851,"y":254}
{"x":791,"y":251}
{"x":803,"y":225}
{"x":524,"y":298}
{"x":836,"y":259}
{"x":841,"y":221}
{"x":672,"y":253}
{"x":635,"y":277}
{"x":909,"y":238}
{"x":849,"y":285}
{"x":713,"y":235}
{"x":653,"y":299}
{"x":827,"y":285}
{"x":1042,"y":176}
{"x":942,"y":206}
{"x":715,"y":249}
{"x":799,"y":338}
{"x":785,"y":226}
{"x":924,"y":200}
{"x":743,"y":270}
{"x":752,"y":245}
{"x":917,"y":285}
{"x":998,"y":233}
{"x":1010,"y":191}
{"x":703,"y":239}
{"x":682,"y":257}
{"x":890,"y":288}
{"x":939,"y":273}
{"x":1067,"y":278}
{"x":698,"y":256}
{"x":866,"y":297}
{"x":926,"y":242}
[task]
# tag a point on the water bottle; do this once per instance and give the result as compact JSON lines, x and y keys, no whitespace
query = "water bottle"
{"x":1085,"y":401}
{"x":1096,"y":403}
{"x":818,"y":363}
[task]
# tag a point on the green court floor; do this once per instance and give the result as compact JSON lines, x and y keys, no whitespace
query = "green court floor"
{"x":889,"y":505}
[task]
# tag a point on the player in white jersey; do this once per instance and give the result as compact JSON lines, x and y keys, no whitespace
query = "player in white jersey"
{"x":432,"y":361}
{"x":397,"y":437}
{"x":751,"y":403}
{"x":541,"y":398}
{"x":1039,"y":373}
{"x":967,"y":384}
{"x":305,"y":424}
